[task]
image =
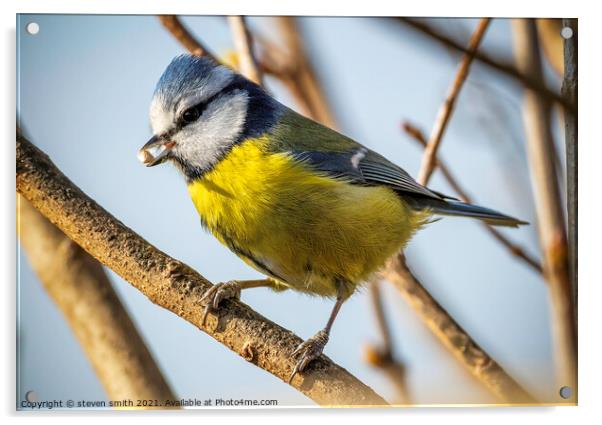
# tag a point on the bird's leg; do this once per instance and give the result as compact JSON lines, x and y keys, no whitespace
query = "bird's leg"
{"x":226,"y":290}
{"x":313,"y":347}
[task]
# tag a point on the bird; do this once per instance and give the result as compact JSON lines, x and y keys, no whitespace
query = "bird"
{"x":311,"y":209}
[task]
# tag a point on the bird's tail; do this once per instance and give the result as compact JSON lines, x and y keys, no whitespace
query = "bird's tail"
{"x":461,"y":209}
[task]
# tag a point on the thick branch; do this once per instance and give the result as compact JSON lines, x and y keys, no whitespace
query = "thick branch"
{"x":512,"y":247}
{"x":505,"y":68}
{"x":430,"y":151}
{"x":81,"y":290}
{"x":175,"y":286}
{"x":244,"y":49}
{"x":548,"y":204}
{"x":451,"y":334}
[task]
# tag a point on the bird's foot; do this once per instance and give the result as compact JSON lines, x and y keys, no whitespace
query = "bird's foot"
{"x":309,"y":350}
{"x":217,"y":293}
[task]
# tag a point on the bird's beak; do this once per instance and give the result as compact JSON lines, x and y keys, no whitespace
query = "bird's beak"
{"x":155,"y":151}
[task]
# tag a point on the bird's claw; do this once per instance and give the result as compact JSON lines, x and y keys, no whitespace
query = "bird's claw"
{"x":217,"y":293}
{"x":309,"y":350}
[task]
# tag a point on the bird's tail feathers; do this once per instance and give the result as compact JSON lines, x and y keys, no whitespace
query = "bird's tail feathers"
{"x":462,"y":209}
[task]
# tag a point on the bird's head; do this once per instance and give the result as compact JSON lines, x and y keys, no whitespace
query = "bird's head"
{"x":199,"y":111}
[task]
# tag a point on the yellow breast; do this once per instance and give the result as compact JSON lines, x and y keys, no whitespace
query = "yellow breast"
{"x":304,"y":229}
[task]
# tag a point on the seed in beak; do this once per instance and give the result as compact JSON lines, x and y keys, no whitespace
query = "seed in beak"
{"x":144,"y":156}
{"x":154,"y":152}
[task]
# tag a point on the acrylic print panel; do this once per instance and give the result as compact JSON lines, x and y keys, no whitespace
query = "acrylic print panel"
{"x":110,"y":295}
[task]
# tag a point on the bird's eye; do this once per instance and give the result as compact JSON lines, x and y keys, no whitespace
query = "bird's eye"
{"x":191,"y":115}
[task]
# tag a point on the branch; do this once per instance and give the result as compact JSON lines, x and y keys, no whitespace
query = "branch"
{"x":175,"y":286}
{"x":383,"y":357}
{"x":81,"y":290}
{"x":512,"y":247}
{"x":306,"y":87}
{"x":569,"y":90}
{"x":451,"y":334}
{"x":507,"y":69}
{"x":277,"y":63}
{"x":430,"y":152}
{"x":177,"y":29}
{"x":244,"y":48}
{"x":552,"y":44}
{"x":548,"y":204}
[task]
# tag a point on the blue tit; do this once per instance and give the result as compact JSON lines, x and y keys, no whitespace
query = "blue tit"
{"x":308,"y":207}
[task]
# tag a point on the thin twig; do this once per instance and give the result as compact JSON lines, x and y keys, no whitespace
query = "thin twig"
{"x":552,"y":43}
{"x":505,"y":68}
{"x":548,"y":204}
{"x":451,"y":334}
{"x":81,"y":290}
{"x":307,"y":86}
{"x":244,"y":48}
{"x":178,"y":30}
{"x":512,"y":247}
{"x":383,"y":356}
{"x":569,"y":90}
{"x":430,"y":152}
{"x":272,"y":58}
{"x":275,"y":62}
{"x":175,"y":286}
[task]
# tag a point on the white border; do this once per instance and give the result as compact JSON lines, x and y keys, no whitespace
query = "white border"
{"x":310,"y":7}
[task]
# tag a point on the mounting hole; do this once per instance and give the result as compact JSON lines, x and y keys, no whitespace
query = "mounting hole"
{"x":31,"y":396}
{"x":566,"y":392}
{"x":32,"y":28}
{"x":566,"y":33}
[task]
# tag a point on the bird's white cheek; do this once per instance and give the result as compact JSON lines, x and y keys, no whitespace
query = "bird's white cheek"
{"x":203,"y":143}
{"x":226,"y":119}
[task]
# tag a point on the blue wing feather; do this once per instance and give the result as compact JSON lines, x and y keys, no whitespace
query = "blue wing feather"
{"x":365,"y":167}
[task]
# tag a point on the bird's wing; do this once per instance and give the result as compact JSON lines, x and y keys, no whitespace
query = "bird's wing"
{"x":339,"y":156}
{"x":365,"y":167}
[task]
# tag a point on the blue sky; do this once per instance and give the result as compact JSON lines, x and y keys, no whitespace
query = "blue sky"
{"x":85,"y":84}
